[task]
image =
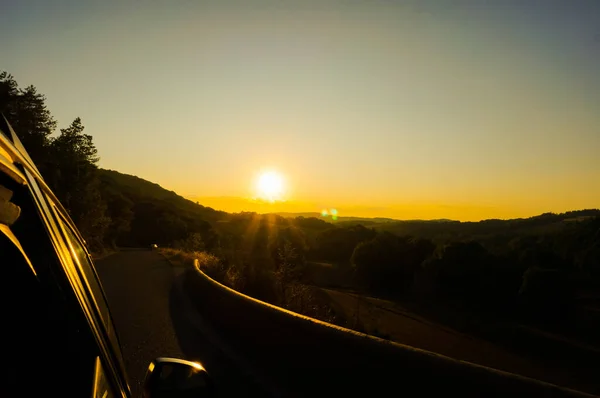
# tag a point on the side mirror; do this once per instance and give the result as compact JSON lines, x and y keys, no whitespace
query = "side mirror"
{"x":170,"y":377}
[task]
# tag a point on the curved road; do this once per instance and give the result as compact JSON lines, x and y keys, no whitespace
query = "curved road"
{"x":153,"y":318}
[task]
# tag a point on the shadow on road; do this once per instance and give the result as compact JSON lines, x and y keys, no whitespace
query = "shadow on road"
{"x":193,"y":335}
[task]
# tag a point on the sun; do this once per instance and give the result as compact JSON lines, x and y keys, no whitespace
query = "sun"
{"x":270,"y":186}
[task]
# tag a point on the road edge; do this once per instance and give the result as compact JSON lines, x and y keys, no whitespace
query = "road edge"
{"x":200,"y":324}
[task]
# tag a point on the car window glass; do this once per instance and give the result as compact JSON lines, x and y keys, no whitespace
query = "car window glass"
{"x":63,"y":236}
{"x":80,"y":256}
{"x":101,"y":385}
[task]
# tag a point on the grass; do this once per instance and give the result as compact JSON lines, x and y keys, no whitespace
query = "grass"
{"x":391,"y":320}
{"x":297,"y":297}
{"x":178,"y":257}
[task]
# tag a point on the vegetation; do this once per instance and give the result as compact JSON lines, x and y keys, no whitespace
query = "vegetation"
{"x":68,"y":161}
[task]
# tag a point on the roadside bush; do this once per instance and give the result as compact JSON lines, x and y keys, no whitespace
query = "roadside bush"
{"x":178,"y":257}
{"x":209,"y":263}
{"x":307,"y":300}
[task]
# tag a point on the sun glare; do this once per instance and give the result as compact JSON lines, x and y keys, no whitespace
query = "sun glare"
{"x":270,"y":186}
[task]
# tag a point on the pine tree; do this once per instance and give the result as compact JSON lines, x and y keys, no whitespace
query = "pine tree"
{"x":26,"y":111}
{"x":75,"y":181}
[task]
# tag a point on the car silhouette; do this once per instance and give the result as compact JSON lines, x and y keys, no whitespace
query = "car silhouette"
{"x":56,"y":322}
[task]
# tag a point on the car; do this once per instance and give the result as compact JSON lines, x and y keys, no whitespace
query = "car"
{"x":153,"y":246}
{"x":56,"y":322}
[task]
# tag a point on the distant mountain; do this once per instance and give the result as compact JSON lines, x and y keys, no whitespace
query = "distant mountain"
{"x":138,"y":189}
{"x":541,"y":224}
{"x":330,"y":219}
{"x":349,"y":220}
{"x":179,"y":216}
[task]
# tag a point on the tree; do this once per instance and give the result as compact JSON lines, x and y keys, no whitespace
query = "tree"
{"x":170,"y":228}
{"x":75,"y":181}
{"x":287,"y":267}
{"x":68,"y":162}
{"x":388,"y":263}
{"x":457,"y":269}
{"x":144,"y":226}
{"x":26,"y":111}
{"x":119,"y":210}
{"x":210,"y":239}
{"x":337,"y":244}
{"x":192,"y":243}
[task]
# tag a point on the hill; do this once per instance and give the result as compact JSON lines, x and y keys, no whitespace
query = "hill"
{"x":143,"y":212}
{"x":137,"y":188}
{"x":337,"y":220}
{"x":162,"y":216}
{"x":481,"y":230}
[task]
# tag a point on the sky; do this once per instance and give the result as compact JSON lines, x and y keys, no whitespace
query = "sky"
{"x":410,"y":109}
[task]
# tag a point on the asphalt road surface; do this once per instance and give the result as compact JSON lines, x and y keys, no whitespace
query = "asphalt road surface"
{"x":153,"y":318}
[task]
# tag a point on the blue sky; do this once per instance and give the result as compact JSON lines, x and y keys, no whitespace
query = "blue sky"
{"x":397,"y":105}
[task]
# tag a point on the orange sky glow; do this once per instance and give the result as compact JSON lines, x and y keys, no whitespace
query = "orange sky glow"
{"x":407,"y":110}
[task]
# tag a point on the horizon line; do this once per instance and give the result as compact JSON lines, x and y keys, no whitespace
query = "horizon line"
{"x":318,"y":215}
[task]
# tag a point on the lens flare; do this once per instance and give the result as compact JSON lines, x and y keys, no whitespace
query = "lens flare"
{"x":334,"y":214}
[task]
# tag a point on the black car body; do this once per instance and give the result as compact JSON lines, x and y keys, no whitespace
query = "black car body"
{"x":55,"y":314}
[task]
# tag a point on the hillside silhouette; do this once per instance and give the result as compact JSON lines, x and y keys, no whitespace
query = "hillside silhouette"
{"x":139,"y":189}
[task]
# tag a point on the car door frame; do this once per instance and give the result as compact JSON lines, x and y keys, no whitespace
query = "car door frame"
{"x":50,"y":210}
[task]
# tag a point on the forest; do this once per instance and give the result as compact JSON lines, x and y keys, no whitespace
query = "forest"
{"x":543,"y":270}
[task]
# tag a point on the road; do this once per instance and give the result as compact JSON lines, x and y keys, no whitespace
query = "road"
{"x":153,"y":319}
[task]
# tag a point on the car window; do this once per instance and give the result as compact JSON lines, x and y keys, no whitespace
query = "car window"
{"x":63,"y":266}
{"x":85,"y":265}
{"x":101,"y":385}
{"x":83,"y":262}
